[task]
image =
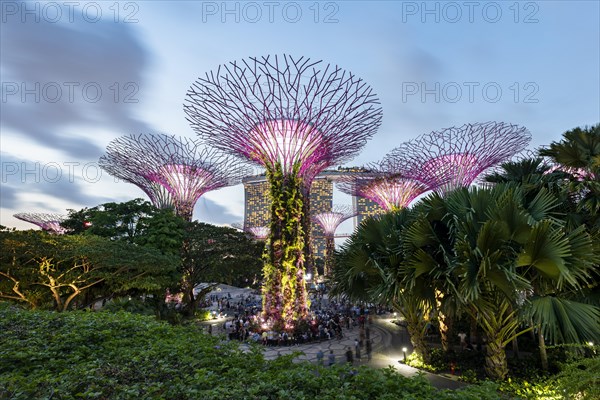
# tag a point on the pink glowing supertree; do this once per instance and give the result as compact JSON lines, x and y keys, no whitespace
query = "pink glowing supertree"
{"x":329,"y":222}
{"x":294,"y":117}
{"x":259,"y":232}
{"x":180,"y":165}
{"x":389,"y":190}
{"x":48,"y":222}
{"x":454,"y":157}
{"x":118,"y":165}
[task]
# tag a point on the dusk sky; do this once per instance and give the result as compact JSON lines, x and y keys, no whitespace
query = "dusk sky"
{"x":75,"y":75}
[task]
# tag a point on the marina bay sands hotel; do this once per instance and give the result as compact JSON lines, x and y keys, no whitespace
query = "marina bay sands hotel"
{"x":257,"y":203}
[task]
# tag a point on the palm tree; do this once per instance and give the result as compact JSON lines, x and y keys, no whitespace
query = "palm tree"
{"x":504,"y":246}
{"x":428,"y":249}
{"x":578,"y":154}
{"x":369,"y":268}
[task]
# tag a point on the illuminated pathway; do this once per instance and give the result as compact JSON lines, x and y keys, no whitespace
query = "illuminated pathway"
{"x":388,"y":341}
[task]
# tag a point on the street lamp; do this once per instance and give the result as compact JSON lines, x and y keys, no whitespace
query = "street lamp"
{"x":404,"y":349}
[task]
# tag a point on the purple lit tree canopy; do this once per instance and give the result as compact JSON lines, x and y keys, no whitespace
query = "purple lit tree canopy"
{"x":285,"y":113}
{"x":330,"y":221}
{"x":117,"y":164}
{"x":294,"y":117}
{"x":47,"y":221}
{"x":454,"y":157}
{"x":391,"y":192}
{"x":182,"y":167}
{"x":259,"y":232}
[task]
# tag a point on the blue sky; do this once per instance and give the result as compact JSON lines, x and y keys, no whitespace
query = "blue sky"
{"x":76,"y":76}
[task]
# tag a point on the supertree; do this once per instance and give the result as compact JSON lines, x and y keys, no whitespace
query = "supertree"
{"x":391,"y":191}
{"x":118,"y":165}
{"x":182,"y":166}
{"x":294,"y":117}
{"x":48,"y":222}
{"x":259,"y":232}
{"x":329,"y":222}
{"x":454,"y":157}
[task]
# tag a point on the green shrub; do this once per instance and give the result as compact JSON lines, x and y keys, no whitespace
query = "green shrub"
{"x":530,"y":390}
{"x":129,"y":356}
{"x":579,"y":380}
{"x":569,"y":353}
{"x":132,"y":305}
{"x":203,"y":315}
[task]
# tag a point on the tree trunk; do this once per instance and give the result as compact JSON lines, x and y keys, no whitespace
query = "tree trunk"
{"x":473,"y":332}
{"x":542,"y":347}
{"x":417,"y":339}
{"x":329,"y":253}
{"x":496,"y":367}
{"x":515,"y":346}
{"x":444,"y":321}
{"x":445,"y":329}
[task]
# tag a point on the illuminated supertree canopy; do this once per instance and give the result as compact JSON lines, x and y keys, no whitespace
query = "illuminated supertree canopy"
{"x":452,"y":158}
{"x":390,"y":191}
{"x":330,"y":221}
{"x":182,"y":166}
{"x":48,"y":222}
{"x":294,"y":117}
{"x":259,"y":232}
{"x":117,"y":164}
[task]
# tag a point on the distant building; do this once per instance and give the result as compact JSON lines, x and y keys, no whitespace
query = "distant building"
{"x":257,"y":203}
{"x":365,"y":208}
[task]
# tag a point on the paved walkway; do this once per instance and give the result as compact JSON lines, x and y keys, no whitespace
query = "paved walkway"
{"x":388,"y":340}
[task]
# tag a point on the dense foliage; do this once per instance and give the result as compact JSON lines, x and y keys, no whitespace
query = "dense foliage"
{"x":217,"y":254}
{"x":74,"y":271}
{"x":285,"y":300}
{"x":135,"y":221}
{"x":124,"y":356}
{"x":518,"y":257}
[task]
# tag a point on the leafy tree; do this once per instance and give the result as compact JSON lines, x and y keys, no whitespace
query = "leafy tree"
{"x":217,"y":254}
{"x":578,"y":154}
{"x":135,"y":221}
{"x":58,"y":271}
{"x":369,"y":268}
{"x":505,"y":248}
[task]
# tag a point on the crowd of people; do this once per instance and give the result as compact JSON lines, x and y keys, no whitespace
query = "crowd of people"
{"x":328,"y":321}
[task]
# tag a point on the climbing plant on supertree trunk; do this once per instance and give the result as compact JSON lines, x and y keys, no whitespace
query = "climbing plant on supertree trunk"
{"x":284,"y":288}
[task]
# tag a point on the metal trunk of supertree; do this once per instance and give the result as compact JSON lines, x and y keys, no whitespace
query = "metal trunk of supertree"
{"x":330,"y":221}
{"x":172,"y":171}
{"x":454,"y":157}
{"x":294,"y":117}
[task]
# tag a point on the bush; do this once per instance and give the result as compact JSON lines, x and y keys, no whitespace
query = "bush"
{"x":569,"y":353}
{"x":579,"y":380}
{"x":204,"y":315}
{"x":128,"y":356}
{"x":132,"y":305}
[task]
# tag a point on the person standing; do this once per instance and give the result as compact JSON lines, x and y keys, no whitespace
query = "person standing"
{"x":349,"y":356}
{"x":320,"y":356}
{"x":369,"y":348}
{"x":463,"y":340}
{"x":330,"y":358}
{"x":357,"y":350}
